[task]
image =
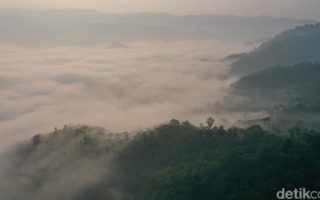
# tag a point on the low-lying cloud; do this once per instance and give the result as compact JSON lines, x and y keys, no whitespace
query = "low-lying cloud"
{"x":117,"y":88}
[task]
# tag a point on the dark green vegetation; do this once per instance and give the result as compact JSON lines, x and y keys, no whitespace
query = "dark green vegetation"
{"x":281,"y":79}
{"x":180,"y":161}
{"x":291,"y":47}
{"x":175,"y":161}
{"x":289,"y":95}
{"x":283,"y":84}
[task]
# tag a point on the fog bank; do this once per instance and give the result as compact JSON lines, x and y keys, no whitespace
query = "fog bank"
{"x":118,"y":86}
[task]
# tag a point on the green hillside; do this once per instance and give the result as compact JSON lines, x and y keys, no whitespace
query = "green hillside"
{"x":175,"y":161}
{"x":291,"y":47}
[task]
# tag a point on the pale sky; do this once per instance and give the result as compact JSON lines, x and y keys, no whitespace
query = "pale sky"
{"x":276,"y":8}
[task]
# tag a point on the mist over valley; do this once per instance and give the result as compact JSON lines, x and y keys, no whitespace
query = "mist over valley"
{"x":157,"y":106}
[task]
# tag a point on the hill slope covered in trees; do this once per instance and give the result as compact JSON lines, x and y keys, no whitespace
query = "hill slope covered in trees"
{"x":283,"y":84}
{"x":289,"y":94}
{"x":173,"y":161}
{"x":291,"y":47}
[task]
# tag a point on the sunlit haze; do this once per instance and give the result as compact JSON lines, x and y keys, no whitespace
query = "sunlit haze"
{"x":276,"y":8}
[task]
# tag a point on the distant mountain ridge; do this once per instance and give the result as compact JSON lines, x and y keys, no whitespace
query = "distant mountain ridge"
{"x":291,"y":47}
{"x":92,"y":27}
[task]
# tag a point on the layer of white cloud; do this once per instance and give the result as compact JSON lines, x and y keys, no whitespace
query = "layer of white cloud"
{"x":121,"y":89}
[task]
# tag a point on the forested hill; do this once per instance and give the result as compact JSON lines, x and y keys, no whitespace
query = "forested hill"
{"x":289,"y":94}
{"x":175,"y":161}
{"x":301,"y":81}
{"x":291,"y":47}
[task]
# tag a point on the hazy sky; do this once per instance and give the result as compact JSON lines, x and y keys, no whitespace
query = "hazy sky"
{"x":278,"y":8}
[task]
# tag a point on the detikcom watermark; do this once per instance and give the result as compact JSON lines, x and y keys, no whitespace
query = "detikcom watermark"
{"x":298,"y":193}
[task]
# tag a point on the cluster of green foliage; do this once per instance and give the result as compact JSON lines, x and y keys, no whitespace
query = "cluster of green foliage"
{"x":178,"y":161}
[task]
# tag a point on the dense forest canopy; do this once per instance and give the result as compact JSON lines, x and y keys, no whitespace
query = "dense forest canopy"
{"x":176,"y":160}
